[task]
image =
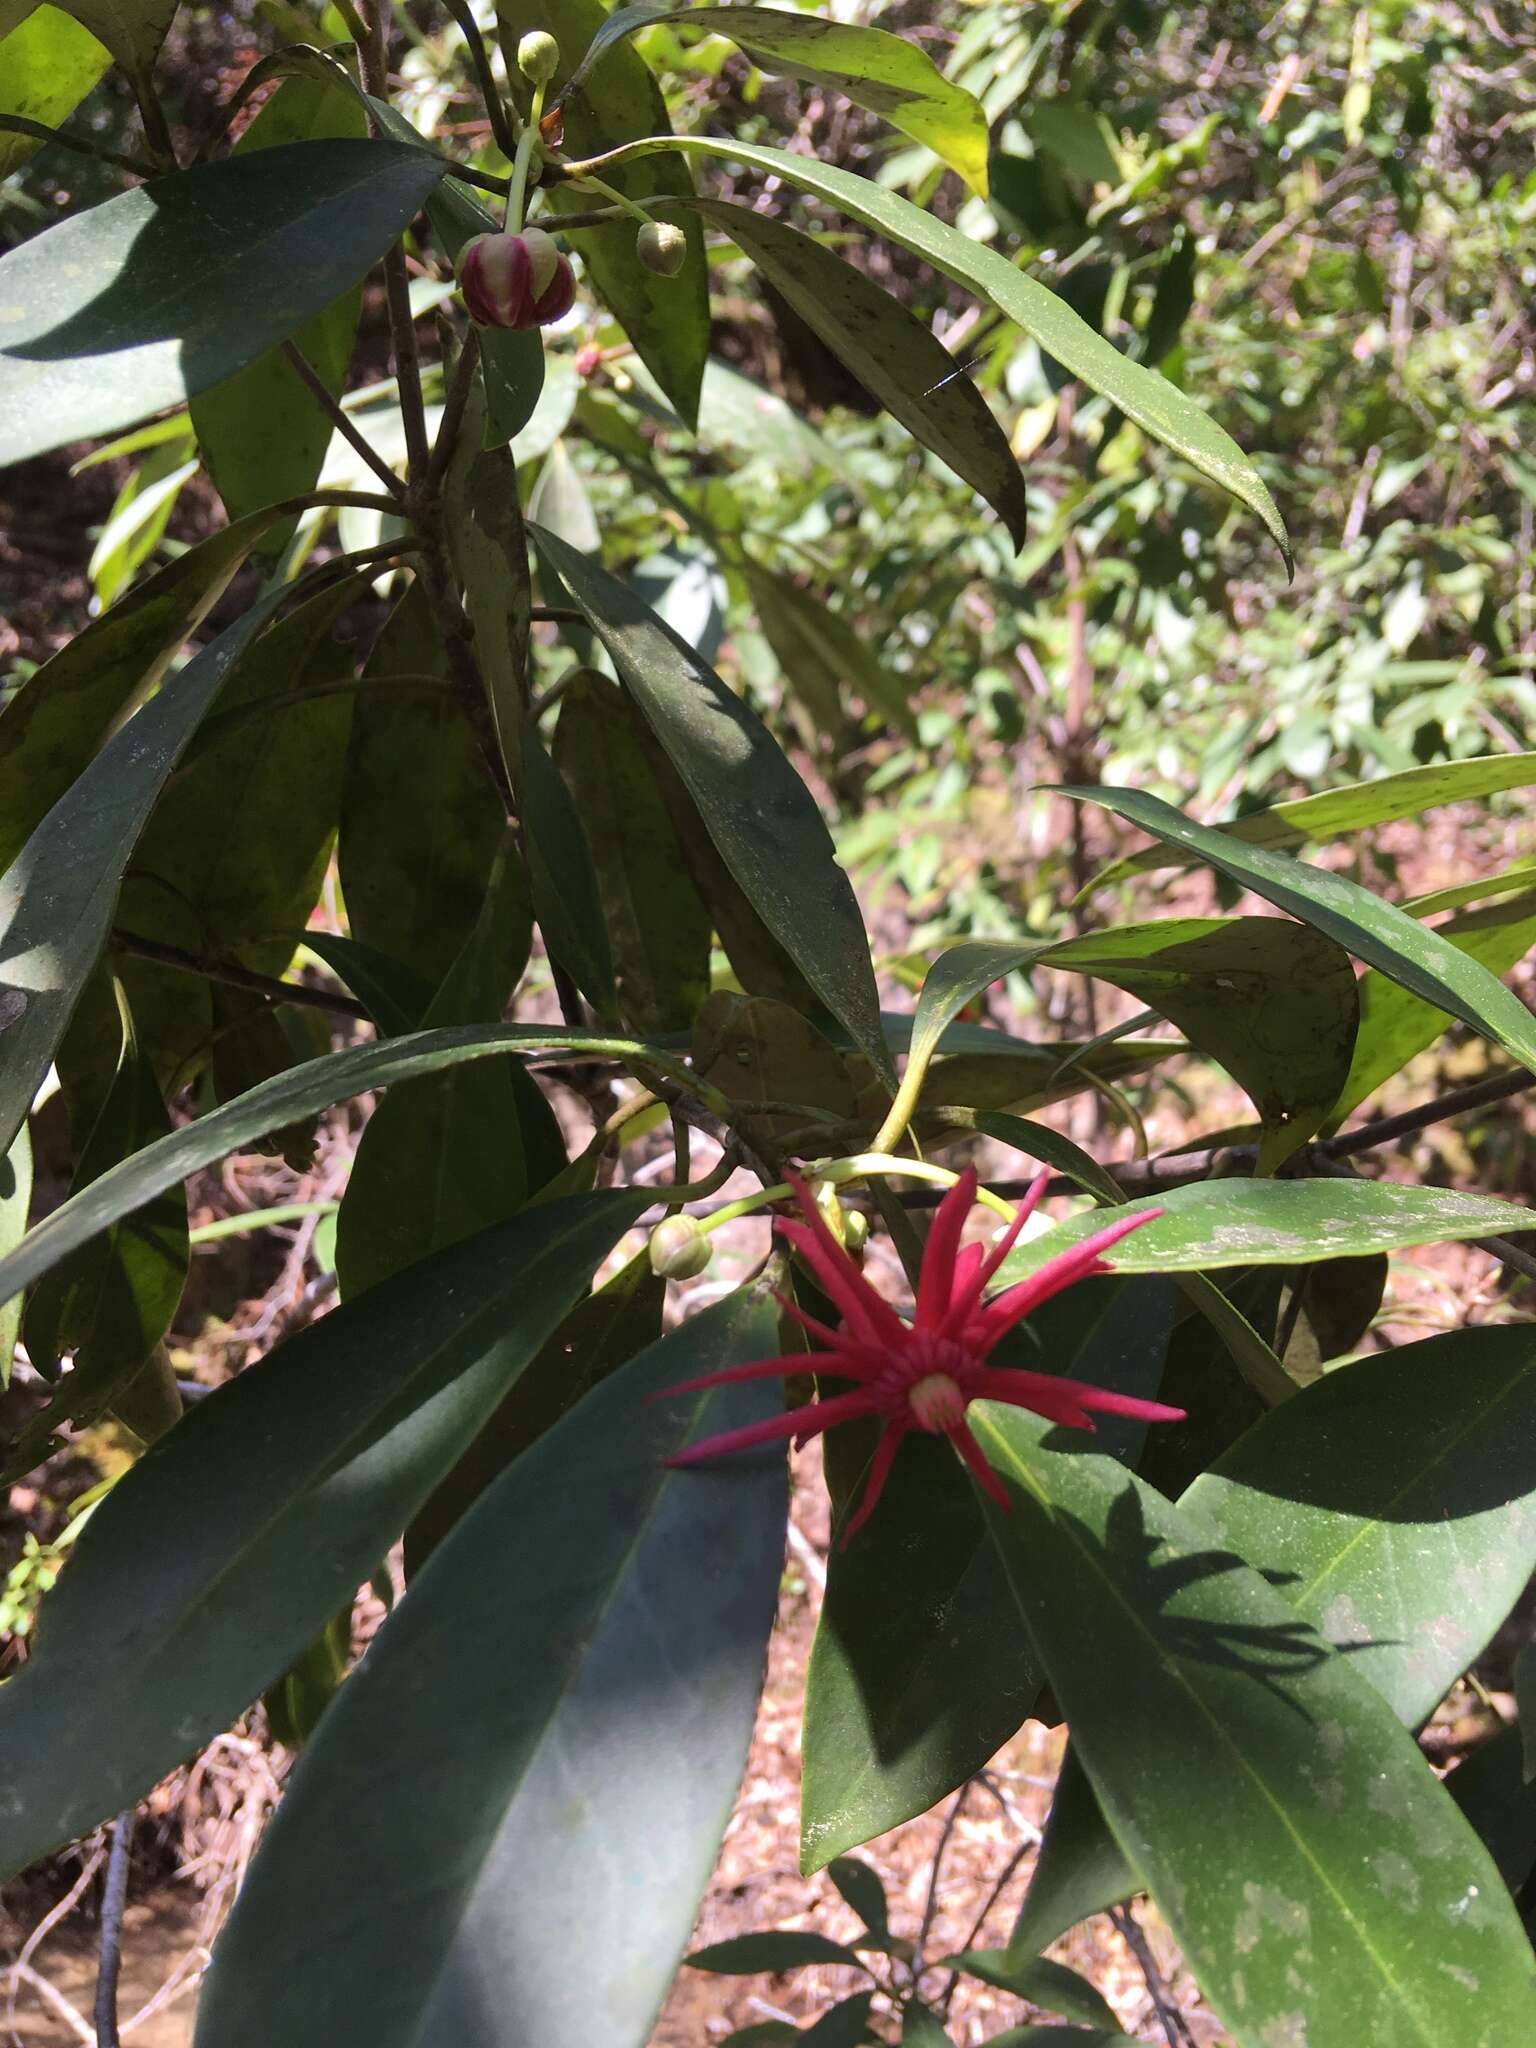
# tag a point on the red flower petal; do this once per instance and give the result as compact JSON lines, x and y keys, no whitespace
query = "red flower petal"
{"x":999,"y":1316}
{"x":808,"y":1421}
{"x":879,"y":1472}
{"x":872,"y":1320}
{"x":936,"y":1281}
{"x":757,"y":1369}
{"x":967,"y":1300}
{"x":974,"y":1456}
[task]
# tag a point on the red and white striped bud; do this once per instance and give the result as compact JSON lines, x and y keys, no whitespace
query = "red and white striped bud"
{"x":515,"y":280}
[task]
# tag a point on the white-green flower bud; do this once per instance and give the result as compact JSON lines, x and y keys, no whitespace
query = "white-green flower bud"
{"x":679,"y":1248}
{"x":661,"y":247}
{"x":538,"y":56}
{"x":855,"y":1229}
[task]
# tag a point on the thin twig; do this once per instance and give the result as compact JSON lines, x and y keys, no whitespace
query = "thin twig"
{"x":495,"y":105}
{"x":55,"y":1999}
{"x":931,"y":1904}
{"x":397,"y":286}
{"x":83,"y":145}
{"x":460,"y":384}
{"x":946,"y":1997}
{"x":232,"y":975}
{"x":1497,"y":1088}
{"x":114,"y":1900}
{"x":344,"y":426}
{"x":1170,"y":2019}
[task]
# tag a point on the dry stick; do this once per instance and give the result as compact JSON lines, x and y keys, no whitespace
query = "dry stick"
{"x":232,"y":975}
{"x":931,"y":1905}
{"x":459,"y":387}
{"x":946,"y":1997}
{"x":114,"y":1898}
{"x":1171,"y":2020}
{"x":349,"y":432}
{"x":1477,"y":1096}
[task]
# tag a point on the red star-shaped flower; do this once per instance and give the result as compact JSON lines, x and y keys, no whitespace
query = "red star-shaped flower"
{"x":924,"y":1374}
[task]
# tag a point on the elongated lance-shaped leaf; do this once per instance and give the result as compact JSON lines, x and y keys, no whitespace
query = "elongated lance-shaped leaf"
{"x":1374,"y":931}
{"x":871,"y":67}
{"x":1157,"y":406}
{"x":132,"y":30}
{"x":1305,"y":820}
{"x":1222,"y":1754}
{"x":56,"y":898}
{"x":285,"y":1486}
{"x":48,"y":64}
{"x":894,"y":355}
{"x":759,"y":814}
{"x":589,"y":1640}
{"x":15,"y":1199}
{"x":954,"y":980}
{"x":285,"y":1099}
{"x":141,"y":302}
{"x":1212,"y":1224}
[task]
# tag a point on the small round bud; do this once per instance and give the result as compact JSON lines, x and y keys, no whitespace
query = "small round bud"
{"x":515,"y":280}
{"x":679,"y":1248}
{"x":538,"y":56}
{"x":855,"y":1230}
{"x":661,"y":247}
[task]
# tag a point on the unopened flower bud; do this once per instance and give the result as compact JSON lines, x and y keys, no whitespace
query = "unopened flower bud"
{"x":661,"y":247}
{"x":855,"y":1229}
{"x":515,"y":280}
{"x":679,"y":1248}
{"x":538,"y":56}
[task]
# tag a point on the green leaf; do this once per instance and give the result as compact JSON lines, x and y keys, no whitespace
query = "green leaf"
{"x":584,"y":1637}
{"x":1219,"y":1754}
{"x":922,"y":2029}
{"x":287,"y":1485}
{"x":955,"y":979}
{"x":860,"y":1885}
{"x":113,"y":1302}
{"x":566,"y":899}
{"x":845,"y":2025}
{"x":1030,"y":1077}
{"x":760,"y":815}
{"x":1051,"y":1986}
{"x":667,"y":318}
{"x":262,"y":433}
{"x":894,"y":355}
{"x":876,"y":70}
{"x":55,"y":723}
{"x":394,"y":995}
{"x":1054,"y":2037}
{"x":1490,"y":1788}
{"x":821,"y":655}
{"x":1080,"y":1868}
{"x":443,"y":1157}
{"x":48,"y":63}
{"x":1211,"y":1224}
{"x":656,"y":923}
{"x":912,"y":1684}
{"x":1273,"y":1002}
{"x":151,"y":297}
{"x":756,"y":1050}
{"x":1396,"y":1025}
{"x":1376,"y":932}
{"x":1155,"y":405}
{"x":1397,"y":1500}
{"x":484,"y":518}
{"x":15,"y":1199}
{"x":750,"y":1955}
{"x":58,"y":895}
{"x":286,"y":1098}
{"x":421,"y":819}
{"x":132,"y":30}
{"x":1311,"y":819}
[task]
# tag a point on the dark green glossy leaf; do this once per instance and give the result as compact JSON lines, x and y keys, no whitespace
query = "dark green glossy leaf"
{"x":760,"y":815}
{"x":141,"y":302}
{"x":1054,"y":2037}
{"x":48,"y":63}
{"x":894,"y":355}
{"x":262,"y":433}
{"x":1211,"y":1224}
{"x":921,"y":2028}
{"x":1219,"y":1755}
{"x":283,"y":1100}
{"x":912,"y":1683}
{"x":395,"y":996}
{"x":860,"y":1885}
{"x":1337,"y":1304}
{"x":1080,"y":1869}
{"x":563,"y":877}
{"x":606,"y":1617}
{"x":443,"y":1157}
{"x":288,"y":1483}
{"x":885,"y":73}
{"x":1395,"y":1024}
{"x":1051,"y":1986}
{"x":657,"y":924}
{"x":1274,"y":1002}
{"x":1398,"y":1499}
{"x":484,"y":517}
{"x":845,"y":2025}
{"x":421,"y":820}
{"x":58,"y":895}
{"x":821,"y":655}
{"x":1376,"y":932}
{"x":667,"y":318}
{"x":1030,"y":1077}
{"x":1312,"y":819}
{"x":748,"y":1955}
{"x":50,"y":729}
{"x":1160,"y":408}
{"x":112,"y":1303}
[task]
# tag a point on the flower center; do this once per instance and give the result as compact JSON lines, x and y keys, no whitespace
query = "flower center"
{"x":937,"y":1402}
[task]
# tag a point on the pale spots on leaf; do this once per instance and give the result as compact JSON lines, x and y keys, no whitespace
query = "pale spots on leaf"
{"x":1265,"y":1911}
{"x":1397,"y":1877}
{"x":1467,"y":1979}
{"x":1285,"y":2030}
